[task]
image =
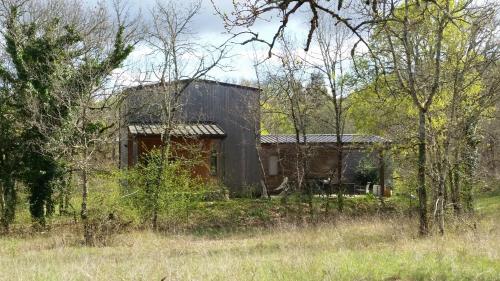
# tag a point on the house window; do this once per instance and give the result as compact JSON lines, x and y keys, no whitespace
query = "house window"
{"x":273,"y":165}
{"x":213,"y":160}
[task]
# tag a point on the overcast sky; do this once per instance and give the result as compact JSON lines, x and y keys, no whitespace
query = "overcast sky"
{"x":209,"y":28}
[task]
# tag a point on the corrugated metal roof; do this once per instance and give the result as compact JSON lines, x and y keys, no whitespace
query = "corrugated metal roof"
{"x":322,"y":138}
{"x":207,"y":81}
{"x":198,"y":130}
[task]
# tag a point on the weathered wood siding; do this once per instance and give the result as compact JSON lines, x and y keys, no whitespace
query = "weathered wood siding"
{"x":234,"y":108}
{"x":322,"y":161}
{"x":194,"y":150}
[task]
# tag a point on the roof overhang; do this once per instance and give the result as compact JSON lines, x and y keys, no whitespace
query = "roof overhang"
{"x":323,"y":139}
{"x":180,"y":130}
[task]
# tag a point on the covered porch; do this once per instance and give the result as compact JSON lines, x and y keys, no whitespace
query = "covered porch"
{"x":198,"y":144}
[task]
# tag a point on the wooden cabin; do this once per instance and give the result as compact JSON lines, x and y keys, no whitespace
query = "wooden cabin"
{"x":220,"y":119}
{"x":279,"y":159}
{"x":219,"y":123}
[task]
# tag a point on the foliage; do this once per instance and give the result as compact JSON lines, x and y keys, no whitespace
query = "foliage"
{"x":437,"y":62}
{"x":9,"y":157}
{"x":366,"y":172}
{"x":273,"y":120}
{"x":176,"y":194}
{"x":381,"y":248}
{"x":108,"y":211}
{"x":50,"y":63}
{"x":379,"y":111}
{"x":39,"y":56}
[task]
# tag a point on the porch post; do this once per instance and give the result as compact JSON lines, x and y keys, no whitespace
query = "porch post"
{"x":382,"y":172}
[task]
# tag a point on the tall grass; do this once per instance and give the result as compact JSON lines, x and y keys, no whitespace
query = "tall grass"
{"x":363,"y":249}
{"x":368,"y":247}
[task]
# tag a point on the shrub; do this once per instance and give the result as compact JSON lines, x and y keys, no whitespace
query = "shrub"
{"x":168,"y":190}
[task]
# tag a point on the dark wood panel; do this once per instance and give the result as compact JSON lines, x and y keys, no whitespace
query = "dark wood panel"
{"x":234,"y":109}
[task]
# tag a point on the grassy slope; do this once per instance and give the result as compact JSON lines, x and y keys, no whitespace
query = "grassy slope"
{"x":489,"y":205}
{"x":350,"y":250}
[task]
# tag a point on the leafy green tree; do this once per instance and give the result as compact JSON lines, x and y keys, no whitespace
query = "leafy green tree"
{"x":32,"y":53}
{"x":9,"y":157}
{"x":434,"y":57}
{"x":51,"y":63}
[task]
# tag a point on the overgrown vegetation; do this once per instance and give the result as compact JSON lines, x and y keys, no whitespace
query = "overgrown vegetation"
{"x":53,"y":76}
{"x":374,"y":248}
{"x":178,"y":193}
{"x":428,"y":79}
{"x":428,"y":82}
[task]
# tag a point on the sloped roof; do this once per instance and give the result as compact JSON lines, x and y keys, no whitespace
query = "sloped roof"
{"x":322,"y":138}
{"x":195,"y":130}
{"x":206,"y":81}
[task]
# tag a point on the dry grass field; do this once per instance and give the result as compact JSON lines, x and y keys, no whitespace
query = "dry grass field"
{"x":362,"y":249}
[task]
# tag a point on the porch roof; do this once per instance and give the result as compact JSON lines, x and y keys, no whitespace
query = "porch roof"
{"x":192,"y":130}
{"x":323,"y":138}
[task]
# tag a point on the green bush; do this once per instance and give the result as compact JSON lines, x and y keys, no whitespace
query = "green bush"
{"x":107,"y":201}
{"x":167,"y":189}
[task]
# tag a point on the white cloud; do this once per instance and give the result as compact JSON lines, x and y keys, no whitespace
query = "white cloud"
{"x":210,"y":30}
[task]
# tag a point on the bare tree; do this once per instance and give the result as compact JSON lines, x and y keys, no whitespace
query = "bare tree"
{"x":333,"y":41}
{"x":255,"y":112}
{"x":182,"y":62}
{"x":290,"y":89}
{"x":245,"y":14}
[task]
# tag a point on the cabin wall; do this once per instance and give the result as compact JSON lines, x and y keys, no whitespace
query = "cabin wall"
{"x":193,"y":151}
{"x":235,"y":109}
{"x":322,"y":162}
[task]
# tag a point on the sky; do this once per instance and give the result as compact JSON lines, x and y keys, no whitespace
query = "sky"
{"x":209,"y":29}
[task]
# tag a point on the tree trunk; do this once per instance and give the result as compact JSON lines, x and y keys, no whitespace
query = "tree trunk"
{"x":263,"y":182}
{"x":446,"y":193}
{"x":157,"y":185}
{"x":2,"y":203}
{"x":87,"y":233}
{"x":471,"y":158}
{"x":382,"y":174}
{"x":305,"y":167}
{"x":340,"y":193}
{"x":8,"y":200}
{"x":422,"y":193}
{"x":440,"y":198}
{"x":455,"y":188}
{"x":165,"y":154}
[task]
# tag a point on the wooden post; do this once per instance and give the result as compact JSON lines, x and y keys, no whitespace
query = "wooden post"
{"x":382,"y":173}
